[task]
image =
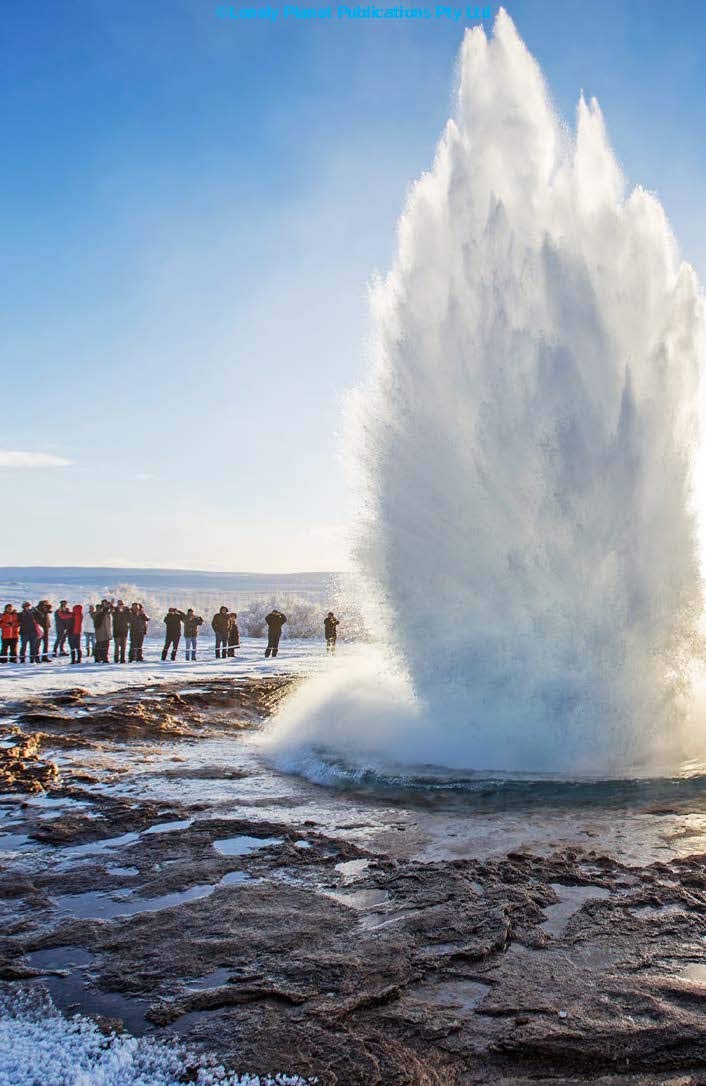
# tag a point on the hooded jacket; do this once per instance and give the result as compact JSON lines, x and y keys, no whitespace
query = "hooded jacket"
{"x":121,"y":622}
{"x":43,"y":615}
{"x":275,"y":621}
{"x":102,"y":623}
{"x":220,"y":623}
{"x":191,"y":625}
{"x":9,"y":625}
{"x":62,"y":620}
{"x":27,"y":621}
{"x":173,"y":621}
{"x":138,"y":623}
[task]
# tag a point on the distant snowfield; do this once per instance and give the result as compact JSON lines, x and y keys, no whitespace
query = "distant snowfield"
{"x":296,"y":656}
{"x":37,"y":1045}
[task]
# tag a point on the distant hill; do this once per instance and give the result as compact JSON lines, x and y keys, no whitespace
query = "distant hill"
{"x":181,"y":587}
{"x":165,"y":579}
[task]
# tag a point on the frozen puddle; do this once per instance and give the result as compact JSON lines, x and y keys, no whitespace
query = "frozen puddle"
{"x":571,"y":900}
{"x":169,"y":827}
{"x":126,"y":838}
{"x":98,"y":846}
{"x":57,"y":802}
{"x":96,"y":905}
{"x":694,"y":972}
{"x":71,"y":993}
{"x":243,"y":846}
{"x":11,"y":841}
{"x":60,"y":957}
{"x":216,"y":979}
{"x":352,"y":869}
{"x":360,"y":899}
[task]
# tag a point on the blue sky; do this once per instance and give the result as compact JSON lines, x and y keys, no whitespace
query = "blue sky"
{"x":191,"y":210}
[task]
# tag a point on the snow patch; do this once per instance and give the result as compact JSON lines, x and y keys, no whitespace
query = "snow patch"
{"x":38,"y":1045}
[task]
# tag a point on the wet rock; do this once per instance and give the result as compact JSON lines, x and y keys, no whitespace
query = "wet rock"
{"x":569,"y":968}
{"x":21,"y":768}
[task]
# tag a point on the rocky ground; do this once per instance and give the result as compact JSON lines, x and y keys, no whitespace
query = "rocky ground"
{"x":278,"y":942}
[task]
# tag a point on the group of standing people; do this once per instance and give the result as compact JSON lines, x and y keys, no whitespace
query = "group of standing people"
{"x":225,"y":627}
{"x":29,"y":631}
{"x":224,"y":624}
{"x":116,"y":622}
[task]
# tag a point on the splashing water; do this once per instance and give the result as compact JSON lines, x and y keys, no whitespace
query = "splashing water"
{"x":526,"y":444}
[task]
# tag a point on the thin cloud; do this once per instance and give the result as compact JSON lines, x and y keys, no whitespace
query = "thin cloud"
{"x":13,"y":459}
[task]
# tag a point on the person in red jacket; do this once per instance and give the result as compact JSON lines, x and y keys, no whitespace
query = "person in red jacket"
{"x":10,"y":632}
{"x":75,"y":628}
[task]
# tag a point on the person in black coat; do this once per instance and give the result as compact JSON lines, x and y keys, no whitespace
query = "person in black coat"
{"x":219,"y":622}
{"x":173,"y":620}
{"x":121,"y":625}
{"x":275,"y":621}
{"x":233,"y":634}
{"x":30,"y":628}
{"x":330,"y":624}
{"x":63,"y":621}
{"x":103,"y":624}
{"x":138,"y":628}
{"x":44,"y":610}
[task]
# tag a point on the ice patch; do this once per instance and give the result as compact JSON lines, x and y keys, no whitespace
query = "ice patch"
{"x":243,"y":845}
{"x":170,"y":827}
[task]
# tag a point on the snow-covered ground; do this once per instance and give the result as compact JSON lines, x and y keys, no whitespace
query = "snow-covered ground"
{"x":39,"y":1046}
{"x":296,"y":656}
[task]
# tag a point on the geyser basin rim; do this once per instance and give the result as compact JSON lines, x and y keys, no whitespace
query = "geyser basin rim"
{"x":431,"y":776}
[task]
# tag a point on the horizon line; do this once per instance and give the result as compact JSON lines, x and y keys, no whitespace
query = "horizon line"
{"x":183,"y":569}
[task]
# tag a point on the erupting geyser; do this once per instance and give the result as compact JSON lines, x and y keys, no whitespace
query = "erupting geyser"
{"x":526,"y":443}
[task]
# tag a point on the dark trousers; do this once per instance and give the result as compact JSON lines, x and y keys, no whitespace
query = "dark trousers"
{"x":272,"y":645}
{"x":172,"y":641}
{"x":221,"y":643}
{"x":9,"y":649}
{"x":101,"y":651}
{"x":61,"y":636}
{"x":119,"y":643}
{"x":75,"y":646}
{"x":135,"y":654}
{"x":232,"y":646}
{"x":33,"y":643}
{"x":330,"y":644}
{"x":45,"y":646}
